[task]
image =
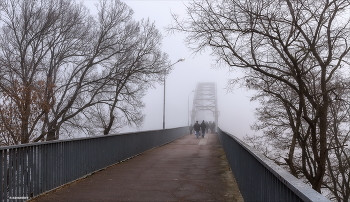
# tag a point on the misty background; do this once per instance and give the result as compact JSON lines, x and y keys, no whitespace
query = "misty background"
{"x":235,"y":108}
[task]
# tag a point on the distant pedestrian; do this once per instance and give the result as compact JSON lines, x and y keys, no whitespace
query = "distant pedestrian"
{"x":212,"y":127}
{"x":191,"y":128}
{"x":196,"y":128}
{"x":203,"y":126}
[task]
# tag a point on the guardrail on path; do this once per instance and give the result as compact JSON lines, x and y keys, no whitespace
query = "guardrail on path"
{"x":260,"y":179}
{"x":29,"y":170}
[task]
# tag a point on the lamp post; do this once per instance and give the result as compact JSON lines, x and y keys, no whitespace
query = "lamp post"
{"x":180,"y":60}
{"x":188,"y":108}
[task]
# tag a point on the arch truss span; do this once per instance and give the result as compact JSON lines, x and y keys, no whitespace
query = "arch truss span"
{"x":205,"y":105}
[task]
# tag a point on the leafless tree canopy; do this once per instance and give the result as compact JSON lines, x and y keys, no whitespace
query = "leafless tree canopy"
{"x":295,"y":54}
{"x":65,"y":72}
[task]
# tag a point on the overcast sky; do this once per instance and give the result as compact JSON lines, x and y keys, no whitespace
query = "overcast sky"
{"x":236,"y":110}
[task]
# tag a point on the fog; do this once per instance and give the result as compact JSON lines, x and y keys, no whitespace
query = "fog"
{"x":235,"y":108}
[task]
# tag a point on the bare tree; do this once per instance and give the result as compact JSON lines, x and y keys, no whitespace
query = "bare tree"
{"x":60,"y":68}
{"x":30,"y":30}
{"x":294,"y":50}
{"x":131,"y":72}
{"x":126,"y":60}
{"x":286,"y":134}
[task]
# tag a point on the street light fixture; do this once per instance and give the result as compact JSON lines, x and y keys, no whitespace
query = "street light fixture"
{"x":180,"y":60}
{"x":188,"y":108}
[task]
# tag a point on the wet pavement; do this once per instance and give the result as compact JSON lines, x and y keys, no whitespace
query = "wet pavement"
{"x":187,"y":169}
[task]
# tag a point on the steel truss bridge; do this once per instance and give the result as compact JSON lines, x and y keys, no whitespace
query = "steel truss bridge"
{"x":205,"y":105}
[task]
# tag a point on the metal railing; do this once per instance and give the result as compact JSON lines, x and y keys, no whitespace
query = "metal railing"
{"x":29,"y":170}
{"x":259,"y":179}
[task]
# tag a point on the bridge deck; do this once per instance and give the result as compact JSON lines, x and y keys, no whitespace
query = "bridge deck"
{"x":187,"y":169}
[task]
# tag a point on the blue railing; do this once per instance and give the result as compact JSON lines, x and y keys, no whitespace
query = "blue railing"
{"x":259,"y":179}
{"x":29,"y":170}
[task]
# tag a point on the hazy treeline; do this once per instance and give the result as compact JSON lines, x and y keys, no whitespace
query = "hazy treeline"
{"x":295,"y":56}
{"x":64,"y":71}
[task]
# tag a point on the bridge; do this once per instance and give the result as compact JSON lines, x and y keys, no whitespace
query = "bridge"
{"x":160,"y":165}
{"x":205,"y":105}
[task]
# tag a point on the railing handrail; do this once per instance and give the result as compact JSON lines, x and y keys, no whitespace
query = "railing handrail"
{"x":79,"y":138}
{"x":302,"y":190}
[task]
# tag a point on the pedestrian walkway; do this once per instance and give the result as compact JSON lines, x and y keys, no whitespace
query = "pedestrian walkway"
{"x":187,"y":169}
